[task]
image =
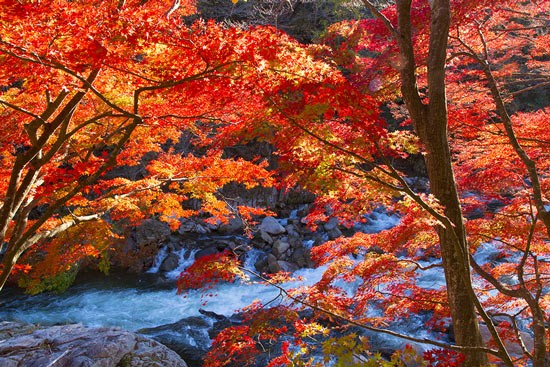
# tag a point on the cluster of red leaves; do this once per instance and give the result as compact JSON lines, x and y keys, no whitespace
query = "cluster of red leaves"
{"x":261,"y":330}
{"x":443,"y":358}
{"x":208,"y":271}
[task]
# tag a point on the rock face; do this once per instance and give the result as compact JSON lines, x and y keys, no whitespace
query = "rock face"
{"x":138,"y":251}
{"x":79,"y":346}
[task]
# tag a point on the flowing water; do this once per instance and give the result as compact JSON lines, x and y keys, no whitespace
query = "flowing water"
{"x":145,"y":302}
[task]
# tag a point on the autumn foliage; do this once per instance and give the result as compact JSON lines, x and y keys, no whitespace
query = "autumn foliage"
{"x":91,"y":86}
{"x":499,"y":145}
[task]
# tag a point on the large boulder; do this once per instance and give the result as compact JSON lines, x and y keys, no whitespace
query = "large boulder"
{"x":151,"y":232}
{"x":191,"y":337}
{"x":271,"y":226}
{"x":137,"y":252}
{"x":78,"y":346}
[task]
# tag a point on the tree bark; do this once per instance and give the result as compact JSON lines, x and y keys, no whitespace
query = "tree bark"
{"x":430,"y":122}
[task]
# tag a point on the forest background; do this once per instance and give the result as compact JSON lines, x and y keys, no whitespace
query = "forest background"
{"x":89,"y":86}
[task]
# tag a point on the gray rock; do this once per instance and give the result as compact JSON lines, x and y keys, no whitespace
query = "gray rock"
{"x":189,"y":226}
{"x":206,"y":252}
{"x":266,"y":237}
{"x":200,"y":229}
{"x":296,"y":243}
{"x":188,"y":337}
{"x":170,"y":263}
{"x":331,"y":224}
{"x":280,"y":247}
{"x":272,"y":226}
{"x":287,"y":266}
{"x":272,"y":265}
{"x":334,"y":233}
{"x":151,"y":231}
{"x":300,"y":257}
{"x":261,"y":264}
{"x":186,"y":226}
{"x":292,"y":232}
{"x":80,"y":346}
{"x":232,"y":226}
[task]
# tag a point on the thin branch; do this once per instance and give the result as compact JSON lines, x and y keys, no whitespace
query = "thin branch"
{"x":540,"y":85}
{"x":418,"y":266}
{"x":516,"y":331}
{"x":494,"y":282}
{"x":20,"y":109}
{"x":367,"y":327}
{"x":381,"y":17}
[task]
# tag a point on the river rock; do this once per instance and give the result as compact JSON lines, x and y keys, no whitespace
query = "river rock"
{"x":272,"y":264}
{"x":266,"y":237}
{"x":138,"y":251}
{"x":79,"y":346}
{"x":191,"y":337}
{"x":186,"y":226}
{"x":301,"y":257}
{"x":211,"y":250}
{"x":271,"y":226}
{"x":188,"y":337}
{"x":334,"y":233}
{"x":287,"y":266}
{"x":170,"y":263}
{"x":331,"y":224}
{"x":280,"y":247}
{"x":151,"y":231}
{"x":233,"y":225}
{"x":189,"y":226}
{"x":261,"y":265}
{"x":292,"y":231}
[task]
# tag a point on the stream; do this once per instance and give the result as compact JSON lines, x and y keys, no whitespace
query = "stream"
{"x":150,"y":300}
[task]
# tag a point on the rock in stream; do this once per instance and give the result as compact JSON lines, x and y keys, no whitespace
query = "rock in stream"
{"x":75,"y":345}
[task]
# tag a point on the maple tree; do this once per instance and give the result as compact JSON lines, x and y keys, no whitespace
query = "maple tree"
{"x":90,"y":85}
{"x":452,"y":71}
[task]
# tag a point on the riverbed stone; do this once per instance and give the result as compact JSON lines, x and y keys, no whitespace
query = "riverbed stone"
{"x":300,"y":257}
{"x":78,"y":346}
{"x":170,"y":263}
{"x":266,"y":237}
{"x":280,"y":247}
{"x":208,"y":251}
{"x":151,"y":231}
{"x":272,"y":264}
{"x":188,"y":337}
{"x":331,"y":224}
{"x":233,"y":225}
{"x":334,"y":233}
{"x":186,"y":226}
{"x":271,"y":226}
{"x":287,"y":266}
{"x":292,"y":231}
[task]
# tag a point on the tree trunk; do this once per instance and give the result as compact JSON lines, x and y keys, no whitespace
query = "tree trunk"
{"x":453,"y":246}
{"x":430,"y":122}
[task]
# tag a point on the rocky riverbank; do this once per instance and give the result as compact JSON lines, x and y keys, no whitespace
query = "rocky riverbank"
{"x":79,"y":346}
